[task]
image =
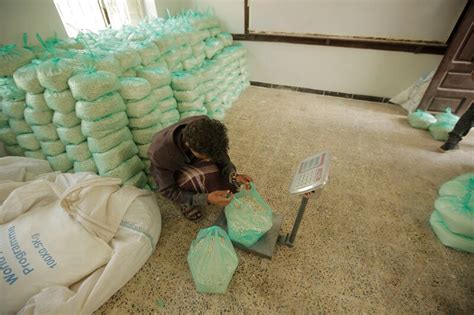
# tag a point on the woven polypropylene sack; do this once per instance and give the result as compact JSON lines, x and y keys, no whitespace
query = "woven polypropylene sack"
{"x":458,"y":213}
{"x":14,"y":150}
{"x":91,"y":85}
{"x":62,"y":101}
{"x":54,"y":73}
{"x":19,"y":126}
{"x":139,"y":180}
{"x":13,"y":109}
{"x":99,"y":145}
{"x":39,"y":118}
{"x":35,"y":155}
{"x":103,"y":106}
{"x":78,"y":152}
{"x":157,"y":77}
{"x":27,"y":79}
{"x":52,"y":147}
{"x":127,"y":169}
{"x":193,"y":113}
{"x":141,"y":107}
{"x":60,"y":162}
{"x":104,"y":126}
{"x":72,"y":135}
{"x":143,"y":150}
{"x":144,"y":136}
{"x":45,"y":133}
{"x":167,"y":104}
{"x":85,"y":166}
{"x":447,"y":117}
{"x":146,"y":121}
{"x":68,"y":120}
{"x":28,"y":142}
{"x":440,"y":130}
{"x":195,"y":105}
{"x":248,"y":216}
{"x":36,"y":101}
{"x":449,"y":238}
{"x":212,"y":260}
{"x":109,"y":160}
{"x":134,"y":88}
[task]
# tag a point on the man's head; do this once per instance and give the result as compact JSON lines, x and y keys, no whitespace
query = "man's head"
{"x":207,"y":138}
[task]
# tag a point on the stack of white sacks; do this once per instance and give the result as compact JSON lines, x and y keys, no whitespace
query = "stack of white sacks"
{"x":94,"y":104}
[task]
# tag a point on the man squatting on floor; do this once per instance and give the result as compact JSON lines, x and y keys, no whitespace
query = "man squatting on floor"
{"x":191,"y":166}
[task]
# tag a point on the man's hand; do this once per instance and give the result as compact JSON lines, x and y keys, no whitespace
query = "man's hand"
{"x":220,"y":197}
{"x":243,"y":180}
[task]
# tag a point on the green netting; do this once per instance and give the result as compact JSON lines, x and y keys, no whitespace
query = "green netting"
{"x":85,"y":166}
{"x":141,"y":107}
{"x":144,"y":136}
{"x":104,"y":126}
{"x":157,"y":76}
{"x":146,"y":121}
{"x":38,"y":118}
{"x":52,"y":147}
{"x":127,"y":169}
{"x":13,"y":109}
{"x":62,"y":101}
{"x":12,"y":58}
{"x":27,"y":79}
{"x":54,"y":73}
{"x":90,"y":85}
{"x":109,"y":160}
{"x":7,"y":136}
{"x":143,"y":150}
{"x":99,"y":145}
{"x":45,"y":133}
{"x":195,"y":105}
{"x":139,"y":180}
{"x":106,"y":105}
{"x":19,"y":126}
{"x":167,"y":104}
{"x":60,"y":162}
{"x":72,"y":135}
{"x":170,"y":116}
{"x":440,"y":130}
{"x":193,"y":113}
{"x":78,"y":152}
{"x":68,"y":120}
{"x":36,"y":101}
{"x":28,"y":142}
{"x":35,"y":155}
{"x":134,"y":88}
{"x":14,"y":150}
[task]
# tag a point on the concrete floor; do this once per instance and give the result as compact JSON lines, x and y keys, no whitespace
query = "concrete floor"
{"x":364,"y":247}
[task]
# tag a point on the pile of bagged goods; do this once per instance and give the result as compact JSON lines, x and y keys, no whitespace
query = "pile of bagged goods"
{"x":439,"y":125}
{"x":93,"y":103}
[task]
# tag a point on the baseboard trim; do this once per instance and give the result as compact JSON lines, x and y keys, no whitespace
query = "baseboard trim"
{"x":322,"y":92}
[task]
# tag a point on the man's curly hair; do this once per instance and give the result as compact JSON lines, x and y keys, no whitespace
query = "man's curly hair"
{"x":207,"y":136}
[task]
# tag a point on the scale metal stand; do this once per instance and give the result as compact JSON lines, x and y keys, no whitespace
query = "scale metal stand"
{"x":311,"y":176}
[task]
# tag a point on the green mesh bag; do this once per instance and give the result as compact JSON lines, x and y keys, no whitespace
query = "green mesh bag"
{"x":101,"y":61}
{"x":130,"y":73}
{"x":212,"y":260}
{"x":19,"y":126}
{"x":54,"y":73}
{"x":12,"y":58}
{"x":127,"y":169}
{"x":109,"y":160}
{"x":198,"y":48}
{"x":62,"y":102}
{"x":45,"y":133}
{"x":36,"y":102}
{"x":39,"y":118}
{"x":156,"y":76}
{"x":68,"y":120}
{"x":162,"y":93}
{"x":185,"y":81}
{"x":167,"y":104}
{"x":248,"y":216}
{"x":143,"y":150}
{"x":215,"y":31}
{"x":106,"y":105}
{"x":78,"y":152}
{"x":458,"y":213}
{"x":144,"y":136}
{"x":35,"y":155}
{"x":72,"y":135}
{"x":13,"y":109}
{"x":127,"y":57}
{"x":447,"y":117}
{"x":134,"y":88}
{"x":146,"y":121}
{"x":195,"y":105}
{"x":90,"y":84}
{"x":225,"y":38}
{"x":99,"y":145}
{"x":189,"y":96}
{"x":213,"y":105}
{"x":85,"y":166}
{"x":3,"y":119}
{"x":449,"y":238}
{"x":60,"y":162}
{"x":52,"y":147}
{"x":104,"y":126}
{"x":139,"y":180}
{"x":27,"y":79}
{"x":421,"y":119}
{"x":28,"y":142}
{"x":440,"y":130}
{"x":141,"y":107}
{"x":147,"y":50}
{"x":458,"y":187}
{"x":14,"y":150}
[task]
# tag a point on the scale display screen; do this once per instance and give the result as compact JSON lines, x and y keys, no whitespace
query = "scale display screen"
{"x":312,"y":173}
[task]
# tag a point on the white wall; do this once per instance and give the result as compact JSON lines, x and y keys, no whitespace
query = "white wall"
{"x":31,"y":16}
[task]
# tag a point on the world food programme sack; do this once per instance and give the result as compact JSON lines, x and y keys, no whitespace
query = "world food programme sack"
{"x":212,"y":260}
{"x":248,"y":216}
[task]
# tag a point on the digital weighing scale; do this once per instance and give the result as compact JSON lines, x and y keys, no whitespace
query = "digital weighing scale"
{"x":311,"y":176}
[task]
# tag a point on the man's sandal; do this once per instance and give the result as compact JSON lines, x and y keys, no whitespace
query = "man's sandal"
{"x":191,"y":213}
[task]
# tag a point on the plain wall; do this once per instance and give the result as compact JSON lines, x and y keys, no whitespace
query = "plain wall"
{"x":31,"y":16}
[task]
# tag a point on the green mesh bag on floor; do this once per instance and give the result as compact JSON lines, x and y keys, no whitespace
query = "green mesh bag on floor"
{"x":156,"y":76}
{"x":449,"y":238}
{"x":447,"y":117}
{"x":167,"y":104}
{"x":103,"y":106}
{"x":212,"y":260}
{"x":54,"y":73}
{"x":145,"y":121}
{"x":248,"y":216}
{"x":52,"y":147}
{"x":195,"y":105}
{"x":90,"y":84}
{"x":189,"y":96}
{"x":440,"y":130}
{"x":458,"y":187}
{"x":218,"y":114}
{"x":136,"y":109}
{"x":104,"y":126}
{"x":144,"y":136}
{"x":421,"y":119}
{"x":109,"y":160}
{"x":458,"y":213}
{"x":99,"y":145}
